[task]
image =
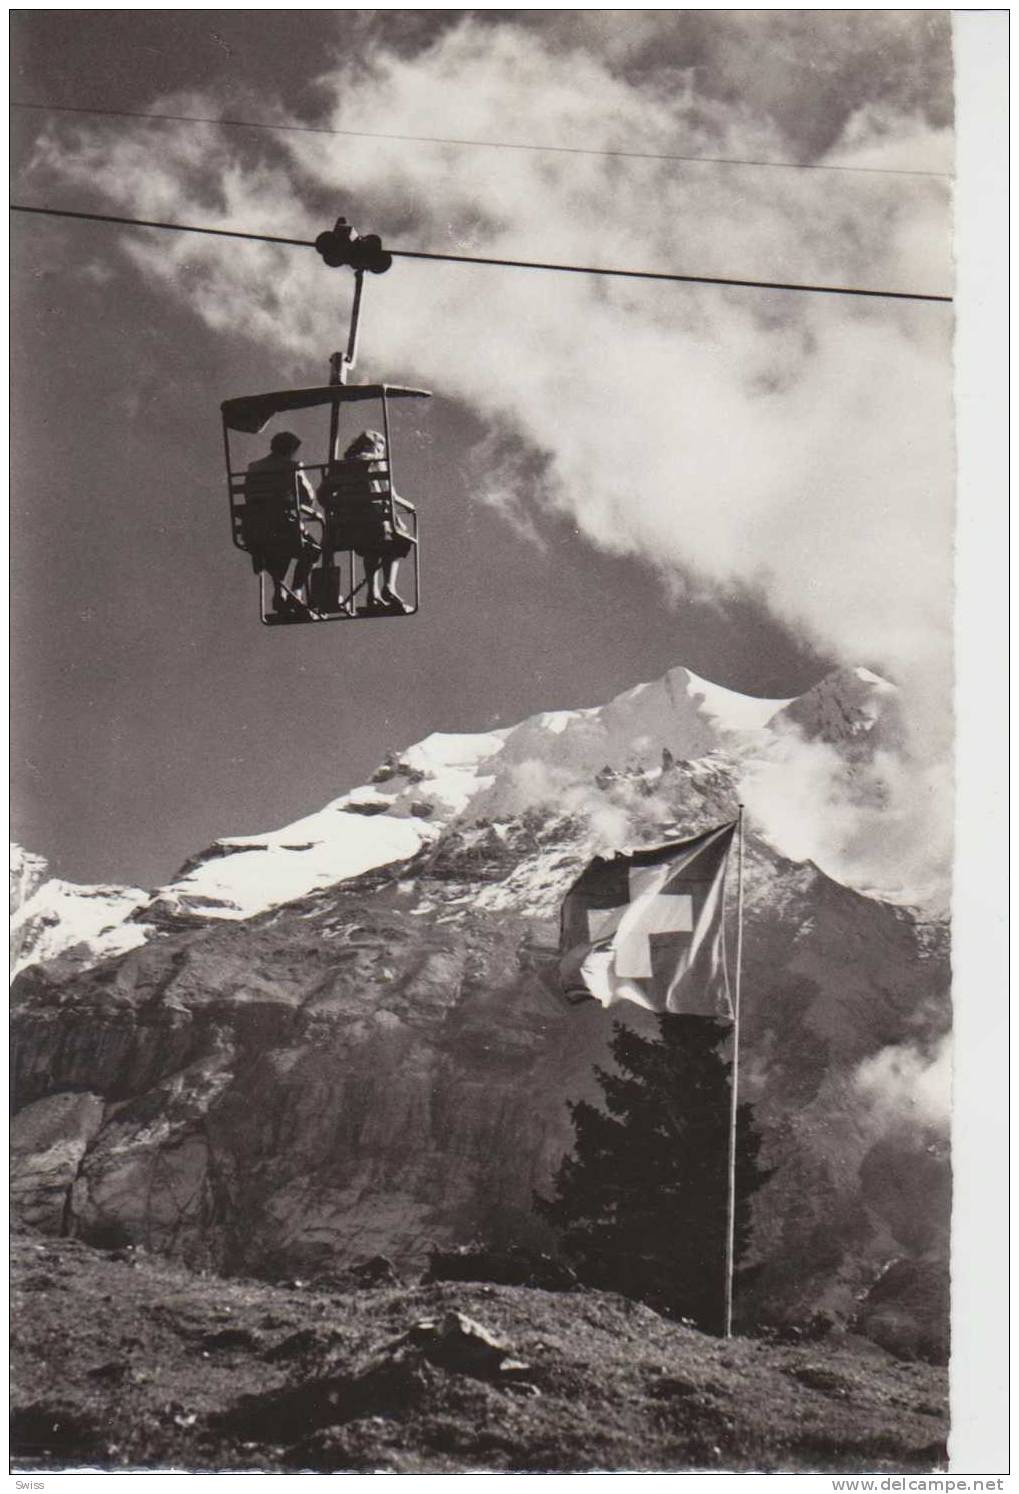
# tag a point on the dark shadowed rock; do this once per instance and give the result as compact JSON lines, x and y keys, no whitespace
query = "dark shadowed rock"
{"x":907,"y":1310}
{"x":511,"y":1266}
{"x":48,"y":1140}
{"x":230,"y":1339}
{"x":377,"y":1271}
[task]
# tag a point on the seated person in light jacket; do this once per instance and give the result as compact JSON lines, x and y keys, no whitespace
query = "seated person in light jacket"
{"x":360,"y":508}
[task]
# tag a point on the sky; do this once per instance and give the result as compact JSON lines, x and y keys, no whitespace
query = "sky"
{"x":613,"y":477}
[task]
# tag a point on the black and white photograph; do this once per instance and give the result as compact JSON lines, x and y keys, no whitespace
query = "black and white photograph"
{"x":484,"y":686}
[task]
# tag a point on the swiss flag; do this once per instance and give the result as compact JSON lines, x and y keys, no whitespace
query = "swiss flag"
{"x":647,"y":927}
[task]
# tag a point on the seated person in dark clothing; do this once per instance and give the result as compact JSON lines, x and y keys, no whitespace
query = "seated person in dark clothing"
{"x":275,"y":488}
{"x":360,"y":515}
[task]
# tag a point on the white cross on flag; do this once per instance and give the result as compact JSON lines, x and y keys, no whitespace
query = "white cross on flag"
{"x":647,"y":927}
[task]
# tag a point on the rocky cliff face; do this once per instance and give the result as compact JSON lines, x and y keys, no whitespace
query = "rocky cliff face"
{"x":335,"y":1039}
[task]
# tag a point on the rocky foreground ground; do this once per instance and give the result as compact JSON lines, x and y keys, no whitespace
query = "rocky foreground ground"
{"x":121,"y":1360}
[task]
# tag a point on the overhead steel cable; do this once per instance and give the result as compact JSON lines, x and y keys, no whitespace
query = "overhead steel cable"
{"x":511,"y":264}
{"x":222,"y":233}
{"x":569,"y":150}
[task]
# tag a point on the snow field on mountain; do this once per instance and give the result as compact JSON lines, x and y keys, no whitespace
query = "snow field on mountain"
{"x":729,"y":710}
{"x":447,"y":775}
{"x":60,"y":916}
{"x":258,"y":872}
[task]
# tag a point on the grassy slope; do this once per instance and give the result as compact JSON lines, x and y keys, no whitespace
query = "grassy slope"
{"x":132,"y":1363}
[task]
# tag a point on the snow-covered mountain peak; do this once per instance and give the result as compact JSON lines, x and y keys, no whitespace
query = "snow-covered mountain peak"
{"x":414,"y":795}
{"x":682,"y":713}
{"x":605,"y":765}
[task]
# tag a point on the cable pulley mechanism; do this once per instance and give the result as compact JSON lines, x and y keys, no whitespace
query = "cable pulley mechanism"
{"x":343,"y":245}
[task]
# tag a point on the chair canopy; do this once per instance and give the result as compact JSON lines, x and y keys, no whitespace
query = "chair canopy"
{"x":251,"y":413}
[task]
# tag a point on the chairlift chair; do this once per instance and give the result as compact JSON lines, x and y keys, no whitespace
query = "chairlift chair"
{"x":265,"y":507}
{"x":337,"y":586}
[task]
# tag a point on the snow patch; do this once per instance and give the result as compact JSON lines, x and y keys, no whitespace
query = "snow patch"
{"x":868,"y":677}
{"x":305,"y":857}
{"x":61,"y":918}
{"x":557,"y":721}
{"x":729,"y":710}
{"x":451,"y":765}
{"x":454,"y":751}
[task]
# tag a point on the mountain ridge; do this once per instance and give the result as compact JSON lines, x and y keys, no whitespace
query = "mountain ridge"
{"x":442,"y":777}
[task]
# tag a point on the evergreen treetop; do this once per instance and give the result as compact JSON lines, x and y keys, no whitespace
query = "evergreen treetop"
{"x":641,"y":1205}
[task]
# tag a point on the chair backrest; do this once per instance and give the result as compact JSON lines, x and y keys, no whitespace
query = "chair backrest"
{"x":270,"y":485}
{"x":264,"y":506}
{"x":352,"y":481}
{"x":352,"y":477}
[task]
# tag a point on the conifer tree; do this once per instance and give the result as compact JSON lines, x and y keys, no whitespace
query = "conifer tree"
{"x":641,"y":1206}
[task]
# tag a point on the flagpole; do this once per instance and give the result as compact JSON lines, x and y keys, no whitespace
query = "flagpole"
{"x":730,"y":1226}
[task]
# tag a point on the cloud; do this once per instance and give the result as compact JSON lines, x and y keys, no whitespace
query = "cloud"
{"x":881,"y":825}
{"x":907,"y":1087}
{"x":799,"y":447}
{"x":801,"y":71}
{"x":624,"y":815}
{"x":880,"y":138}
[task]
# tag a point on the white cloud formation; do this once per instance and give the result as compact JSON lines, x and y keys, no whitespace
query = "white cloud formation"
{"x":906,"y":1087}
{"x":881,"y":825}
